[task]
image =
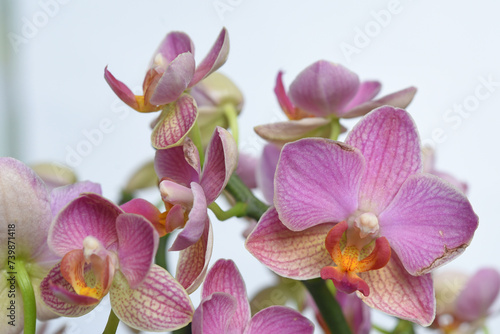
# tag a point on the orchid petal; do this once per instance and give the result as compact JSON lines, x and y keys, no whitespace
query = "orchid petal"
{"x":220,"y":163}
{"x":88,"y":215}
{"x":174,"y":164}
{"x":121,"y":90}
{"x":215,"y":58}
{"x":214,"y":314}
{"x":193,"y":261}
{"x":225,"y":277}
{"x":5,"y":303}
{"x":367,"y":90}
{"x":428,"y":223}
{"x":158,"y":304}
{"x":400,"y":294}
{"x":174,"y":44}
{"x":301,"y":198}
{"x":297,"y":255}
{"x":266,"y":170}
{"x":138,"y":242}
{"x":61,"y":196}
{"x":356,"y":312}
{"x":279,"y":319}
{"x":246,"y":169}
{"x":176,"y":120}
{"x":283,"y":99}
{"x":284,"y":132}
{"x":147,"y":210}
{"x":324,"y":88}
{"x":388,"y":139}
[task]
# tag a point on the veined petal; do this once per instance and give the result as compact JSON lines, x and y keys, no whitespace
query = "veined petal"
{"x":175,"y":43}
{"x":388,"y":140}
{"x":214,"y":314}
{"x":61,"y":196}
{"x":137,"y":245}
{"x":266,"y":170}
{"x":176,"y":120}
{"x":317,"y":181}
{"x":158,"y":304}
{"x":5,"y":303}
{"x":284,"y":132}
{"x":279,"y":319}
{"x":324,"y":88}
{"x":193,"y":261}
{"x":88,"y":215}
{"x":297,"y":255}
{"x":178,"y":164}
{"x":221,"y":161}
{"x":173,"y":82}
{"x":147,"y":210}
{"x":428,"y":223}
{"x":225,"y":277}
{"x":215,"y":58}
{"x":396,"y":292}
{"x":121,"y":90}
{"x":367,"y":90}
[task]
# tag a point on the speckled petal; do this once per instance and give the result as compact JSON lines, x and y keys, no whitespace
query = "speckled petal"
{"x":214,"y":314}
{"x":297,"y":255}
{"x":279,"y":319}
{"x":61,"y":196}
{"x":281,"y":133}
{"x":158,"y":304}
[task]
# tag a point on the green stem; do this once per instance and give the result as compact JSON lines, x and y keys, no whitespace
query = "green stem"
{"x":232,"y":114}
{"x":24,"y":283}
{"x":486,"y":330}
{"x":183,"y":330}
{"x":381,"y":330}
{"x":335,"y":129}
{"x":255,"y":208}
{"x":112,"y":324}
{"x":238,"y":210}
{"x":328,"y":306}
{"x":195,"y":135}
{"x":161,"y":253}
{"x":404,"y":327}
{"x":125,"y":197}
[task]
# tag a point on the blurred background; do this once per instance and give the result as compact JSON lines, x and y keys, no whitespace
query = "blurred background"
{"x":53,"y":93}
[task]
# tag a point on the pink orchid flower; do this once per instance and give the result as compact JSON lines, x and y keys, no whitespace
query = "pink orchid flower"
{"x":225,"y":309}
{"x":171,"y":72}
{"x":322,"y":92}
{"x":364,"y":215}
{"x":27,"y":206}
{"x":103,"y":250}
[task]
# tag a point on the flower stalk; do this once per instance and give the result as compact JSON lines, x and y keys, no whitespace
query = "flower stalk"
{"x":24,"y":283}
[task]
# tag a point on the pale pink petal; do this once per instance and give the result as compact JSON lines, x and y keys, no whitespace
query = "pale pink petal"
{"x":174,"y":164}
{"x":144,"y":208}
{"x":317,"y":181}
{"x":225,"y":277}
{"x":121,"y":90}
{"x":246,"y":169}
{"x":324,"y":88}
{"x":214,"y":314}
{"x":367,"y":90}
{"x":173,"y":44}
{"x":399,"y":99}
{"x":196,"y":221}
{"x":88,"y":215}
{"x":61,"y":196}
{"x":137,"y":245}
{"x":284,"y":132}
{"x":279,"y":320}
{"x":388,"y":139}
{"x":158,"y":304}
{"x":176,"y":120}
{"x":266,"y":170}
{"x":173,"y":82}
{"x":297,"y":255}
{"x":428,"y":223}
{"x":396,"y":292}
{"x":193,"y":261}
{"x":220,"y":162}
{"x":215,"y":58}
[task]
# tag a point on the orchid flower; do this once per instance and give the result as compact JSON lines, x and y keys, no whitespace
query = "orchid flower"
{"x":320,"y":95}
{"x":364,"y":215}
{"x":224,"y":308}
{"x":103,"y":250}
{"x":26,"y":206}
{"x":170,"y":73}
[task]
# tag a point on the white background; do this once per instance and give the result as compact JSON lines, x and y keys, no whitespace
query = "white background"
{"x":54,"y":90}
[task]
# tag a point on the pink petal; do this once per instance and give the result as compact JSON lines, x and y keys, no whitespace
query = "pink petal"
{"x":173,"y":44}
{"x":479,"y":294}
{"x":173,"y":82}
{"x":196,"y":221}
{"x":121,"y":90}
{"x":399,"y":99}
{"x":220,"y":163}
{"x":324,"y":88}
{"x":147,"y":210}
{"x":356,"y":312}
{"x":388,"y":139}
{"x":284,"y":132}
{"x":279,"y":319}
{"x":428,"y":223}
{"x":317,"y":181}
{"x":283,"y":99}
{"x":246,"y":169}
{"x":367,"y":90}
{"x":193,"y":261}
{"x":215,"y":58}
{"x":225,"y":277}
{"x":396,"y":292}
{"x":61,"y":196}
{"x":297,"y":255}
{"x":88,"y":215}
{"x":266,"y":170}
{"x":173,"y":164}
{"x":158,"y":304}
{"x":176,"y":120}
{"x":214,"y":314}
{"x":137,"y":245}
